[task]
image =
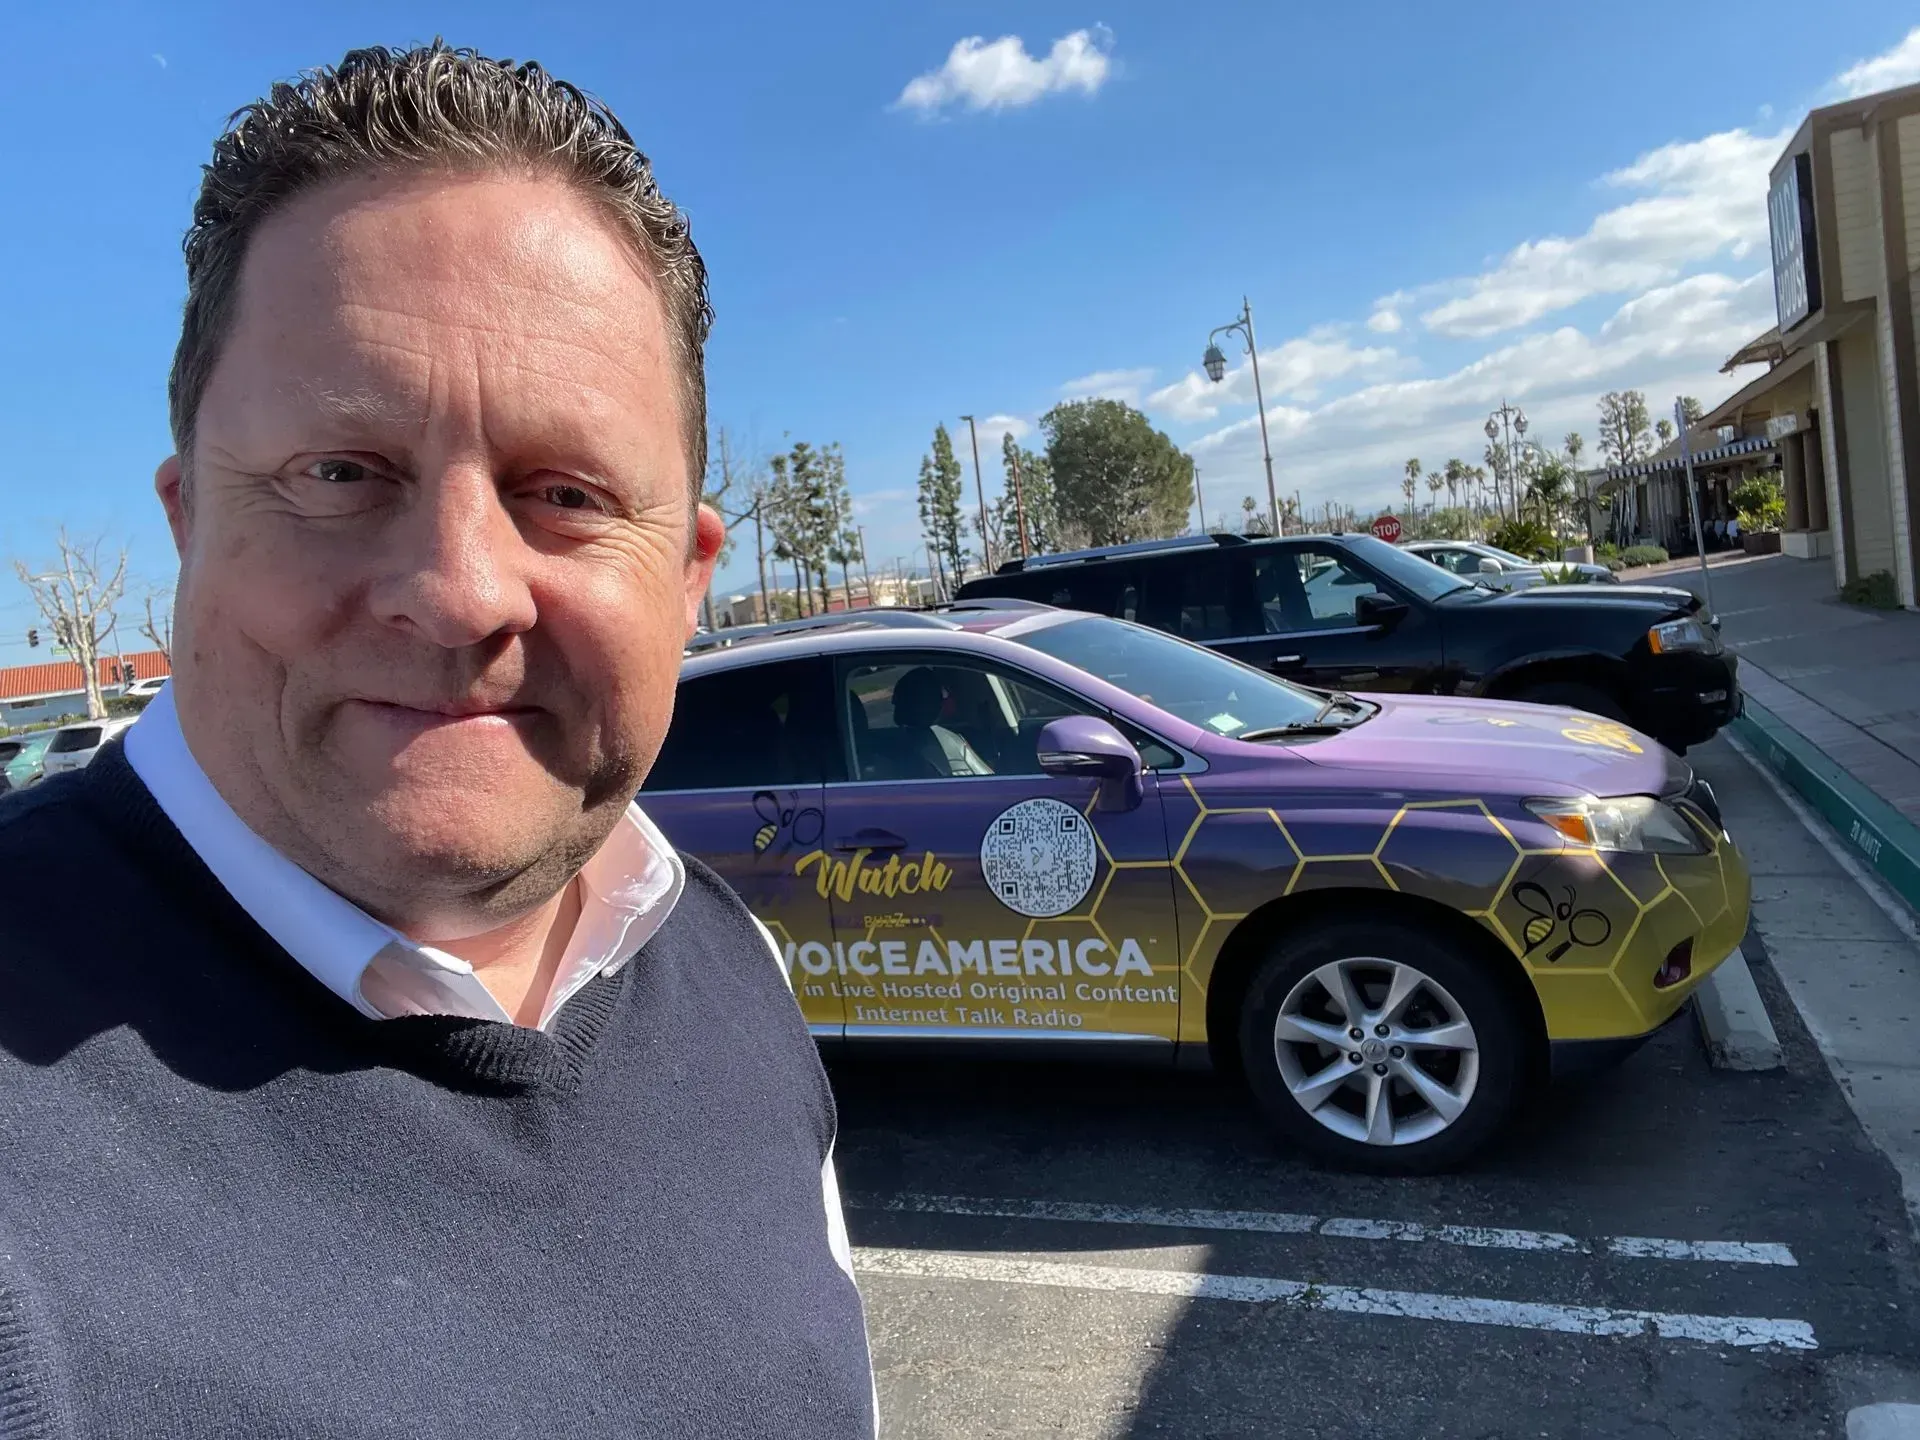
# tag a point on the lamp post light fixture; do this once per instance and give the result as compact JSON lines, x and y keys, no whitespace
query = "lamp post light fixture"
{"x":1214,"y":362}
{"x":1502,"y":427}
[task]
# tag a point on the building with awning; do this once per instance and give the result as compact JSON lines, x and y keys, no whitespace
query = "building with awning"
{"x":1840,"y":397}
{"x":1647,"y":500}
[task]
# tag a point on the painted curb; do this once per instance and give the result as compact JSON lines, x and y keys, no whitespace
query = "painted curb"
{"x":1734,"y":1023}
{"x":1884,"y":840}
{"x":1884,"y":1422}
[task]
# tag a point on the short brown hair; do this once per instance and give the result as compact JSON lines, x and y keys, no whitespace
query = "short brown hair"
{"x":386,"y":110}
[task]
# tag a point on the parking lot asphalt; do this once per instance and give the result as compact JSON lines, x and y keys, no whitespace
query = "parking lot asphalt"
{"x":1668,"y":1250}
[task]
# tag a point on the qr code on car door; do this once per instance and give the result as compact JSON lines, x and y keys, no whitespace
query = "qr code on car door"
{"x":1039,"y":858}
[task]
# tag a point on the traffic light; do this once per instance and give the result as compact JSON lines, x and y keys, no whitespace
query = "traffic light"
{"x":126,"y":672}
{"x":33,"y":638}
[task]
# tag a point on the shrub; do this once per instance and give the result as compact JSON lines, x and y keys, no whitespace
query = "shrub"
{"x":1605,"y":551}
{"x":1613,"y":562}
{"x":1760,"y":501}
{"x":1875,"y":590}
{"x":1643,"y":555}
{"x":1524,"y":537}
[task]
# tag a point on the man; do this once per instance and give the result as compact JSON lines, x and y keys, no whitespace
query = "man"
{"x":421,"y":1089}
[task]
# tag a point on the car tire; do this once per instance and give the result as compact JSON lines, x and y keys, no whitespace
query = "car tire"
{"x":1573,"y":695}
{"x":1318,"y":1097}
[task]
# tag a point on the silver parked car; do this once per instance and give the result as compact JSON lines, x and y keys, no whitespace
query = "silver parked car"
{"x":1499,"y":569}
{"x":74,"y":746}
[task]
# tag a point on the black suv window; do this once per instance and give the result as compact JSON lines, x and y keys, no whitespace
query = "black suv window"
{"x":1308,"y":587}
{"x":1190,"y":596}
{"x":751,"y":727}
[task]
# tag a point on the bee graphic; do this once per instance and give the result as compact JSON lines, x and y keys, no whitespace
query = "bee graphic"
{"x":1586,"y":927}
{"x":803,"y":826}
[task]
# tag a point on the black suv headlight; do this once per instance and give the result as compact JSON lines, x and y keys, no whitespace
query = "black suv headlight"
{"x":1673,"y":636}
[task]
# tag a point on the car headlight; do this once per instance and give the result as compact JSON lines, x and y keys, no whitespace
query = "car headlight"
{"x":1636,"y":823}
{"x":1688,"y":634}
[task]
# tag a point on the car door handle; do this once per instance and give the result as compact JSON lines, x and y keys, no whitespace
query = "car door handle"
{"x":871,"y":840}
{"x":1286,"y":662}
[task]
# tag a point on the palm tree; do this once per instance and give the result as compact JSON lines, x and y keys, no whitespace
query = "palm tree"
{"x":1436,"y":482}
{"x":1407,"y":485}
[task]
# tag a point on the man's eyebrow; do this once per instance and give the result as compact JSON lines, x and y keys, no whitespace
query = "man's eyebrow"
{"x":362,"y":407}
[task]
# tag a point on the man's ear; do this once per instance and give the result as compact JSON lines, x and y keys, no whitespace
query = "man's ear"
{"x":169,"y":483}
{"x":709,"y":534}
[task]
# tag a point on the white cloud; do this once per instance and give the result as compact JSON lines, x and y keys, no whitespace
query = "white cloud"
{"x":1668,"y":341}
{"x":1706,"y":198}
{"x":1299,"y":369}
{"x":1385,"y":320}
{"x":1000,"y":75}
{"x":159,"y":59}
{"x":873,"y":502}
{"x":1005,"y":425}
{"x":1898,"y":66}
{"x":1123,"y":385}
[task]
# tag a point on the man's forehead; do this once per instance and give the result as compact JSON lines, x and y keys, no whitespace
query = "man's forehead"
{"x":450,"y":243}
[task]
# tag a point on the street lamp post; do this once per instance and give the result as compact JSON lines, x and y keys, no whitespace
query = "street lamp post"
{"x":1215,"y":364}
{"x":1502,"y":426}
{"x":980,"y":491}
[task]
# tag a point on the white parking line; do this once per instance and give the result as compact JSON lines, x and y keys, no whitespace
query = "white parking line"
{"x":1742,"y":1331}
{"x":1273,"y":1222}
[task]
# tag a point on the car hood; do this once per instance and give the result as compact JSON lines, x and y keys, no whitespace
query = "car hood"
{"x":1504,"y":747}
{"x":1660,"y":601}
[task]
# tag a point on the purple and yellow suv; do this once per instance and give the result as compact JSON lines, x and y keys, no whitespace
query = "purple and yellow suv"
{"x":1034,"y":828}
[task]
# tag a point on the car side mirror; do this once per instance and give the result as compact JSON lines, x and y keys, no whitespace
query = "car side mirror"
{"x":1489,"y":566}
{"x":1377,"y":609}
{"x":1082,"y":746}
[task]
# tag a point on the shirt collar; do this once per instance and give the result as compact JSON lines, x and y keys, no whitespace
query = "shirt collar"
{"x":627,"y":890}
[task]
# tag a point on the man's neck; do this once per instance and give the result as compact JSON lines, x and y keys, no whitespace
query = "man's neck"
{"x":518,"y":961}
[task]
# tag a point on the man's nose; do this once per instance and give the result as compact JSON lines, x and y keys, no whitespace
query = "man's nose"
{"x":455,"y":570}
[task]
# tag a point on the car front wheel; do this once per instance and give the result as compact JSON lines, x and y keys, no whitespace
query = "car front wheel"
{"x":1378,"y":1047}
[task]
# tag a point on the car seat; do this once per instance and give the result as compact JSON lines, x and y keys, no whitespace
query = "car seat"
{"x":933,"y":750}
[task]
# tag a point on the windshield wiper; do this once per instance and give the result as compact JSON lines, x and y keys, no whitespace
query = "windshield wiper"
{"x":1340,"y":700}
{"x":1298,"y":727}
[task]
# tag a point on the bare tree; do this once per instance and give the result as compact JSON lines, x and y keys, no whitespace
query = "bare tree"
{"x":158,"y":626}
{"x":76,"y":596}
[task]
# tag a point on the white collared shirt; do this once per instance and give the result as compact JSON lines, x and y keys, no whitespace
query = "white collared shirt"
{"x":628,"y":889}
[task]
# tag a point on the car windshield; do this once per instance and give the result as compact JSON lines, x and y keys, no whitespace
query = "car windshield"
{"x":1197,"y":685}
{"x":1409,"y":572}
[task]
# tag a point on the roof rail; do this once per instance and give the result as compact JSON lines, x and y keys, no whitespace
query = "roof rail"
{"x":1107,"y":552}
{"x":880,"y":617}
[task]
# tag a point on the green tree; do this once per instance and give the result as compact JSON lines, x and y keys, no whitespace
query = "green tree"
{"x":1035,"y":495}
{"x":1663,"y":430}
{"x":1626,"y":430}
{"x":940,"y":509}
{"x":1576,"y":445}
{"x":1410,"y":484}
{"x":840,"y":542}
{"x":1692,"y":411}
{"x":1115,"y":478}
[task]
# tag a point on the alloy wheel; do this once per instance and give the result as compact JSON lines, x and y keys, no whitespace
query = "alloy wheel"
{"x":1377,"y":1051}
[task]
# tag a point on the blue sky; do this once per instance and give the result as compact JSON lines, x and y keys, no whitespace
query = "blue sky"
{"x":1430,"y":207}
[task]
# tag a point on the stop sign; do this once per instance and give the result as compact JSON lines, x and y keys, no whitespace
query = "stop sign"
{"x":1387,"y":527}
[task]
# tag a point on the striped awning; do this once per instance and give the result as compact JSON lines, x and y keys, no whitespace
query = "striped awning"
{"x":1746,"y":445}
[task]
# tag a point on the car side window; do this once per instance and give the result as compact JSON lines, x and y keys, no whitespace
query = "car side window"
{"x":750,"y":727}
{"x":938,"y":717}
{"x":1331,"y":587}
{"x":1460,"y":562}
{"x":1191,"y":597}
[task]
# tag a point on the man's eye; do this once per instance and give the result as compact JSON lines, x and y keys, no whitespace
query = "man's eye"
{"x":339,"y":472}
{"x":567,"y":497}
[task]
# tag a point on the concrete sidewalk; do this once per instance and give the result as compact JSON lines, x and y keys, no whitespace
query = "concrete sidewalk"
{"x":1833,"y":696}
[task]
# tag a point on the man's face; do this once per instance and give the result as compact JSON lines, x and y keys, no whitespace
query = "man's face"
{"x":438,"y":559}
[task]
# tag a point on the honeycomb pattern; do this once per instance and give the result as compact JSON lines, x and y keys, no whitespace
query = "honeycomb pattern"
{"x":1541,"y":903}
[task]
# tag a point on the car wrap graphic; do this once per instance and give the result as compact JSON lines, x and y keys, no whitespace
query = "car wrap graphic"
{"x":1052,"y":914}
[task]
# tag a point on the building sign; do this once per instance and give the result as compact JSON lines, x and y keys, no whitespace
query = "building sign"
{"x":1796,"y":265}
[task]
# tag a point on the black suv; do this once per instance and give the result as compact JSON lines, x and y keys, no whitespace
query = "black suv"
{"x":1349,"y":612}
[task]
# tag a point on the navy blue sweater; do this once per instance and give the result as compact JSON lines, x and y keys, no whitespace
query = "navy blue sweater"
{"x":231,"y":1206}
